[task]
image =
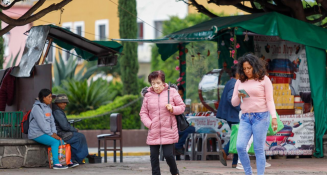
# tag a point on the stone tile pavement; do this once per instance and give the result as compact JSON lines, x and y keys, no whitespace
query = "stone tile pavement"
{"x":137,"y":165}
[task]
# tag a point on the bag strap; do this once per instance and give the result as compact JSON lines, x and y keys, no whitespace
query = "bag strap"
{"x":31,"y":111}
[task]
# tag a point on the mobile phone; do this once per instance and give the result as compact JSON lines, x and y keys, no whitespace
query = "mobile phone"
{"x":244,"y":92}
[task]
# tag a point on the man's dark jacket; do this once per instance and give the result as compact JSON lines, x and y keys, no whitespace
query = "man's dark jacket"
{"x":64,"y":129}
{"x":226,"y":110}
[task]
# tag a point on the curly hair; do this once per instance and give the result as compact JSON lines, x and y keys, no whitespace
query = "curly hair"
{"x":259,"y":69}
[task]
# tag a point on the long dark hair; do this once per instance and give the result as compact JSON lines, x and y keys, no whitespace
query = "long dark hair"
{"x":44,"y":93}
{"x":259,"y":69}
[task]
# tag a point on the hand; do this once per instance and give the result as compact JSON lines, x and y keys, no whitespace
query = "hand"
{"x":169,"y":108}
{"x":55,"y":136}
{"x":274,"y":124}
{"x":241,"y":95}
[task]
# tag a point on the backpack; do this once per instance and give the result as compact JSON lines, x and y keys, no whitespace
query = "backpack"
{"x":25,"y":124}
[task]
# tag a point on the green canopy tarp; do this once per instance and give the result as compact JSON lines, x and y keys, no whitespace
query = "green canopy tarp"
{"x":66,"y":43}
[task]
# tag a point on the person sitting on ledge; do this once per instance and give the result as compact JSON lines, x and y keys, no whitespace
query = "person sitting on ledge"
{"x":42,"y":127}
{"x":67,"y":132}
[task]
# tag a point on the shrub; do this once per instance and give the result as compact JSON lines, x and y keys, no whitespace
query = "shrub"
{"x":98,"y":119}
{"x":83,"y":97}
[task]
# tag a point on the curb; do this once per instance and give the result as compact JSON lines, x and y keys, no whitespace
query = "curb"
{"x":111,"y":154}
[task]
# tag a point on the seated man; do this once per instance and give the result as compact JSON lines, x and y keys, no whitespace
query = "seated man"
{"x":182,"y":135}
{"x":67,"y":132}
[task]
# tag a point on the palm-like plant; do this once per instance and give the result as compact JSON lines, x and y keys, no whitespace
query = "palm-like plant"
{"x":65,"y":71}
{"x":12,"y":61}
{"x":83,"y":96}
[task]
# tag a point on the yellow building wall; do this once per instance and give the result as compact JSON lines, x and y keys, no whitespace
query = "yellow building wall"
{"x":87,"y":11}
{"x":228,"y":10}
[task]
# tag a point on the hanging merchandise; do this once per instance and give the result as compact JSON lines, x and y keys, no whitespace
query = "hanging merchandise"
{"x":218,"y":53}
{"x":246,"y":38}
{"x":192,"y":56}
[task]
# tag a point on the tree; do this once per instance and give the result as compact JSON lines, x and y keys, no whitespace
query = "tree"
{"x":312,"y":12}
{"x":172,"y":25}
{"x":1,"y":48}
{"x":196,"y":67}
{"x":128,"y":62}
{"x":29,"y":16}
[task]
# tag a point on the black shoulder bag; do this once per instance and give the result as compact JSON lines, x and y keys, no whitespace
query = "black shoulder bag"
{"x":182,"y":123}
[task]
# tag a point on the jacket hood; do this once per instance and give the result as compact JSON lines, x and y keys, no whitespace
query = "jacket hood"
{"x":150,"y":89}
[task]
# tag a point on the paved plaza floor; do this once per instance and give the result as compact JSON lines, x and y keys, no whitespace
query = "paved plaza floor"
{"x":137,"y":165}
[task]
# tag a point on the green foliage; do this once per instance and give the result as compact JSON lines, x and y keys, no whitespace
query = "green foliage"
{"x":65,"y":71}
{"x":197,"y":67}
{"x":129,"y":61}
{"x":131,"y":118}
{"x":142,"y":84}
{"x":12,"y":61}
{"x":116,"y":89}
{"x":172,"y":25}
{"x":83,"y":96}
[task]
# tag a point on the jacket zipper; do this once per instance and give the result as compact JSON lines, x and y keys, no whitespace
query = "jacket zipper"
{"x":159,"y":115}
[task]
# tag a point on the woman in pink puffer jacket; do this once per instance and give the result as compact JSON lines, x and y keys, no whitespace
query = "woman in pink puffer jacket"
{"x":159,"y":116}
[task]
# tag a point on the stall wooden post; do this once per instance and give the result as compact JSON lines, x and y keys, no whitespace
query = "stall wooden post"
{"x":46,"y":52}
{"x":182,"y":66}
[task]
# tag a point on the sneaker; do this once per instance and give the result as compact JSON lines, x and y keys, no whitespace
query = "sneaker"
{"x":59,"y":167}
{"x":239,"y":166}
{"x":268,"y":165}
{"x":72,"y":165}
{"x":221,"y":157}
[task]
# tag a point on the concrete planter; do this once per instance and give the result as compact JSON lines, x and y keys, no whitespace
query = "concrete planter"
{"x":16,"y":153}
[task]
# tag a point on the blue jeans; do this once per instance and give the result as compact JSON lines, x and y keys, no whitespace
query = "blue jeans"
{"x":182,"y":137}
{"x":50,"y":141}
{"x":256,"y":124}
{"x":226,"y":148}
{"x":78,"y":147}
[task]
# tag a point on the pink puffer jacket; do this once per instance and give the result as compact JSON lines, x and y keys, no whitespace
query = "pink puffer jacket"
{"x":155,"y":116}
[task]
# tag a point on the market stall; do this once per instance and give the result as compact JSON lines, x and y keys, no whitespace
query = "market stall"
{"x":296,"y":61}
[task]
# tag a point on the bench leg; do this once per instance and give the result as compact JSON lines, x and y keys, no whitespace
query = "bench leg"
{"x":99,"y":145}
{"x":114,"y":150}
{"x":105,"y":150}
{"x":121,"y":150}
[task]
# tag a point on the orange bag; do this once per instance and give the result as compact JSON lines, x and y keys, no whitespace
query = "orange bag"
{"x":64,"y":154}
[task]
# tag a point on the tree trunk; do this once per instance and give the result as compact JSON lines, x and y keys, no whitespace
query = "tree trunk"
{"x":1,"y":48}
{"x":129,"y":61}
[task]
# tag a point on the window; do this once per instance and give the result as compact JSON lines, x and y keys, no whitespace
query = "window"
{"x":79,"y":30}
{"x":102,"y":29}
{"x":65,"y":53}
{"x":158,"y":26}
{"x":140,"y":31}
